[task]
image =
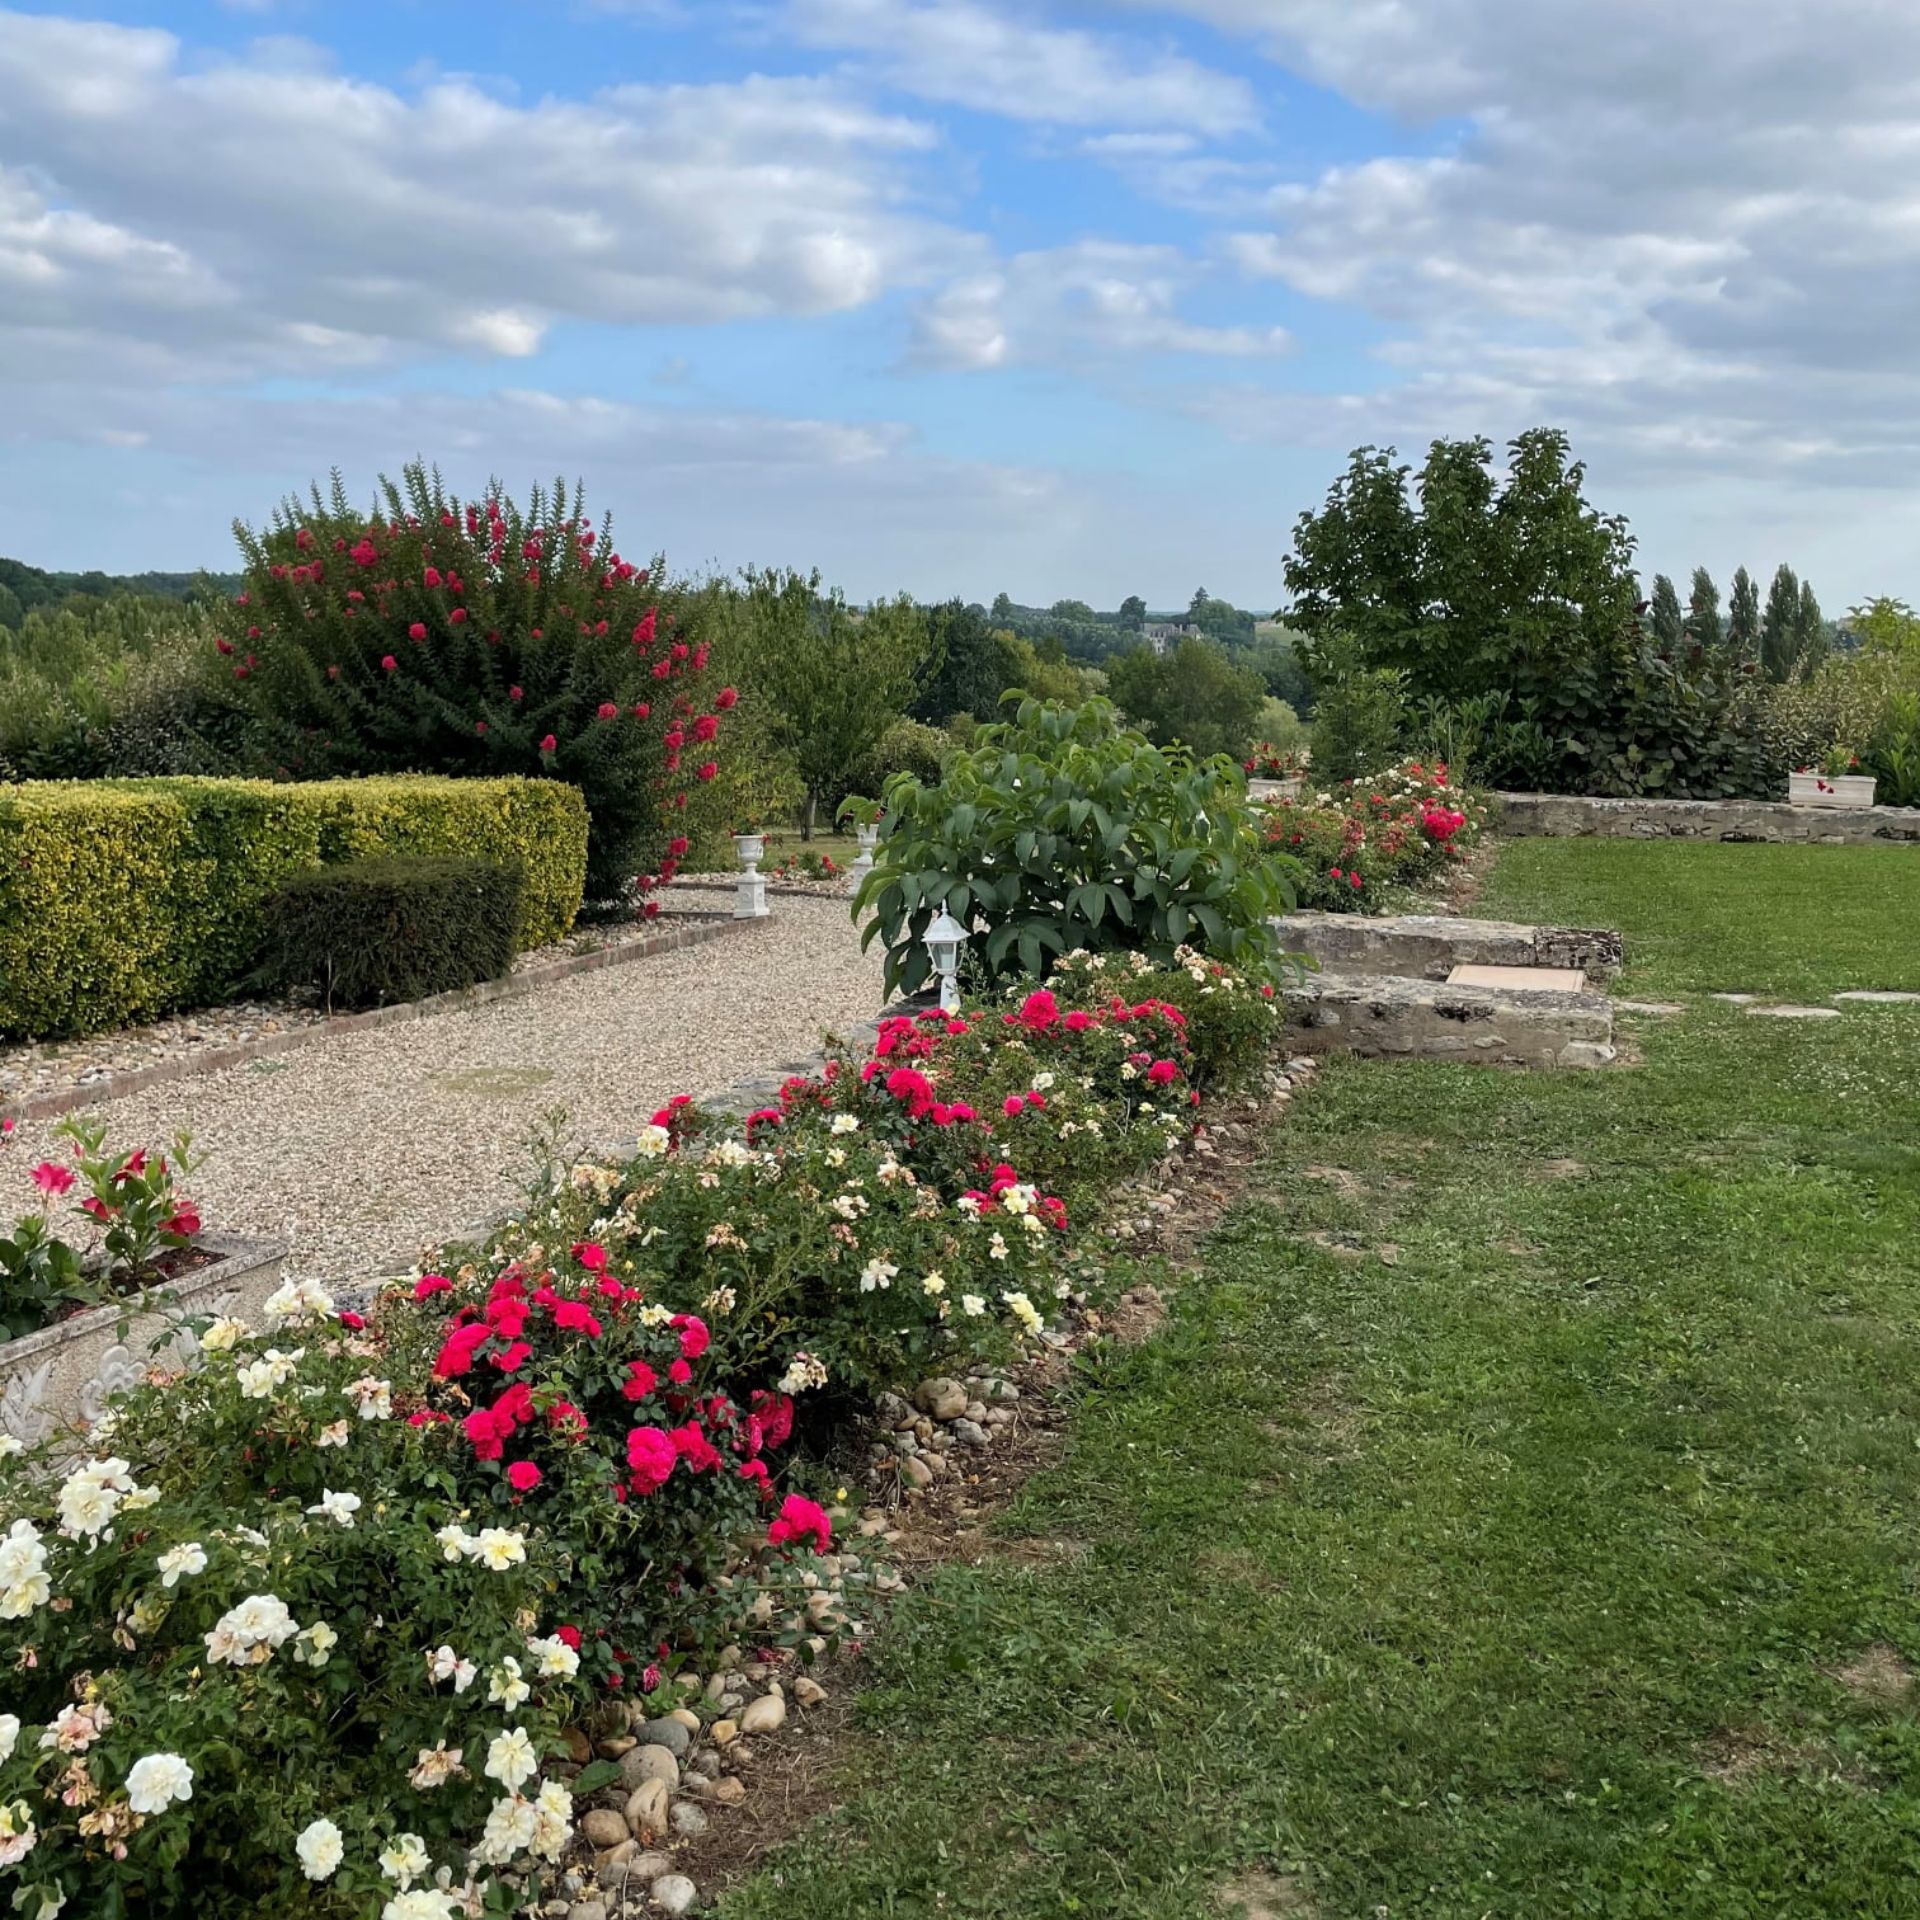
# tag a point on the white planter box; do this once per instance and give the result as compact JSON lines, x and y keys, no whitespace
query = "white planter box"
{"x":1287,"y":789}
{"x":1830,"y":789}
{"x":63,"y":1375}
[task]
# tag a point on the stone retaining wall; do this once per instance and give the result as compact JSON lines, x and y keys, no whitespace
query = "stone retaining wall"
{"x":1430,"y":945}
{"x":1378,"y":1014}
{"x":1567,"y":815}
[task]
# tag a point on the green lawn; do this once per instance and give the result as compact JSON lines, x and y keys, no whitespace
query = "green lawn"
{"x":1509,"y":1574}
{"x":1786,"y":921}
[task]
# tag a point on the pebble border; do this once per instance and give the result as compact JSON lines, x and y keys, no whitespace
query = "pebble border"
{"x":112,"y":1086}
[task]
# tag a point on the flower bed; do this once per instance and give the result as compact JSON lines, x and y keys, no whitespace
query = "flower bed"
{"x":1364,"y":840}
{"x":384,"y":1563}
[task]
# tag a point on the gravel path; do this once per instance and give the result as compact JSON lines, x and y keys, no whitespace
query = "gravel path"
{"x":358,"y":1148}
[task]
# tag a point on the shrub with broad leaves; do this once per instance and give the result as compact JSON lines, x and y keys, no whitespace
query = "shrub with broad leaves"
{"x":1061,"y":829}
{"x":480,"y":637}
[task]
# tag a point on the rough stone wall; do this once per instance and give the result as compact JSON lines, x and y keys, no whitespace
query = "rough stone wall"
{"x":1429,"y":946}
{"x":1385,"y":1016}
{"x":1566,"y":815}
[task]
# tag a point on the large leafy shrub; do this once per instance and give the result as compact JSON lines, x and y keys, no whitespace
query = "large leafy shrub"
{"x":1061,"y":829}
{"x":435,"y":635}
{"x":1195,"y":696}
{"x":369,"y":932}
{"x":122,"y":900}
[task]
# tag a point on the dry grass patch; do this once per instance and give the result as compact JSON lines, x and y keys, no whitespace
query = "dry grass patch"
{"x":1269,"y":1896}
{"x":1878,"y":1672}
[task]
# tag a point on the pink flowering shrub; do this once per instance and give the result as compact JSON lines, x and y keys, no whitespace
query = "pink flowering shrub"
{"x":1356,"y":842}
{"x":477,"y":637}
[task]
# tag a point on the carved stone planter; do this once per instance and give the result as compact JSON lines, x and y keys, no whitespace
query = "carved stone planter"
{"x":750,"y":898}
{"x":1830,"y":789}
{"x":63,"y":1375}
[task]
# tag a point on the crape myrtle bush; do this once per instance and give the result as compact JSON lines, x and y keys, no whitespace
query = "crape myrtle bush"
{"x":374,"y":931}
{"x":124,"y":899}
{"x":1060,"y":830}
{"x":1360,"y":840}
{"x":481,"y":637}
{"x":298,"y":1635}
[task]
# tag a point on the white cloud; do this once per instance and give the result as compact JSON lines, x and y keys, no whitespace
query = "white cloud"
{"x":1062,"y":304}
{"x":1002,"y":63}
{"x":165,"y":218}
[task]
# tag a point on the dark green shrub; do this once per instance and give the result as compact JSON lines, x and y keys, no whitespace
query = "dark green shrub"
{"x":375,"y":931}
{"x":906,"y":747}
{"x":1062,"y":830}
{"x":1359,"y":715}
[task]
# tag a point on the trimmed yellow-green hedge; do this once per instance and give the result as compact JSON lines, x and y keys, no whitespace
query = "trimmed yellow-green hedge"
{"x":121,"y":900}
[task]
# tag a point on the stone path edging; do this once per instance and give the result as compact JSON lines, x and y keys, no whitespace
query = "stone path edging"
{"x":1572,"y":815}
{"x":112,"y":1086}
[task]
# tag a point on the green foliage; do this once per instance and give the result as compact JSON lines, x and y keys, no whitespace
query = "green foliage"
{"x":25,"y":590}
{"x":478,"y":639}
{"x":1886,"y":625}
{"x":1193,"y":696}
{"x":369,"y":932}
{"x":1780,"y":626}
{"x":123,"y":900}
{"x":1360,"y":715}
{"x":1665,"y":620}
{"x":836,"y":678}
{"x":1061,"y":830}
{"x":40,"y":1277}
{"x":1703,"y":610}
{"x":969,"y":665}
{"x":905,"y":747}
{"x":133,"y":1197}
{"x":1743,"y":617}
{"x":1477,"y":587}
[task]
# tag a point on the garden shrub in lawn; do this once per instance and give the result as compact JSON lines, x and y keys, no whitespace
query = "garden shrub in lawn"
{"x":1060,"y":829}
{"x":373,"y":931}
{"x":124,"y":900}
{"x":481,"y":638}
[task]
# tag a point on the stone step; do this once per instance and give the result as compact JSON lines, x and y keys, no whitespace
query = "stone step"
{"x":1430,"y":945}
{"x":1393,"y":1016}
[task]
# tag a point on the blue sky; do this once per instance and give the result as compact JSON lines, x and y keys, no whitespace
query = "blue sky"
{"x":961,"y":295}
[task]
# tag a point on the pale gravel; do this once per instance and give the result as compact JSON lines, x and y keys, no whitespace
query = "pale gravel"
{"x":359,"y":1148}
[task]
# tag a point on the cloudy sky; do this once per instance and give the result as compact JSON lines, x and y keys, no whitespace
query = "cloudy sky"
{"x":1052,"y":296}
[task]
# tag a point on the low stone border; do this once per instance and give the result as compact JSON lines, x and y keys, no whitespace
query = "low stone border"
{"x":1575,"y":816}
{"x":1430,"y":945}
{"x":47,"y":1106}
{"x":1390,"y":1015}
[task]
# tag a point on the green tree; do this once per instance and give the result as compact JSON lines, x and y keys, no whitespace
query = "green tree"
{"x":1664,"y":617}
{"x":967,"y":668}
{"x":1743,"y":617}
{"x":1886,"y":625}
{"x":1779,"y":625}
{"x":1133,"y":612}
{"x":1195,"y":696}
{"x":1477,"y":586}
{"x":1809,"y":632}
{"x":1703,"y":610}
{"x":837,"y":678}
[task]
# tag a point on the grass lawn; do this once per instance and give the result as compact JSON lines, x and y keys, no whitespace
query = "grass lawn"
{"x":1536,"y":1548}
{"x":1791,"y":922}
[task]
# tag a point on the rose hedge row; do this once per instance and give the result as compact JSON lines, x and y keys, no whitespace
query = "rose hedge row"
{"x":304,"y":1631}
{"x":121,"y":900}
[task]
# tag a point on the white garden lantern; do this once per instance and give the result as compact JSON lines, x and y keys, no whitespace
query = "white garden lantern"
{"x":944,"y":939}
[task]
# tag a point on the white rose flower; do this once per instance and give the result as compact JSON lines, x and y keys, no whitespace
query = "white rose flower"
{"x":9,"y":1446}
{"x":934,"y":1283}
{"x":259,"y":1378}
{"x":511,"y":1759}
{"x":156,"y":1780}
{"x":554,"y":1657}
{"x":17,"y":1832}
{"x":877,"y":1273}
{"x":456,"y":1543}
{"x":188,"y":1557}
{"x":315,"y":1644}
{"x":319,"y":1849}
{"x":405,"y":1858}
{"x":297,"y":1301}
{"x":336,"y":1433}
{"x":972,"y":1305}
{"x":500,"y":1548}
{"x":510,"y":1829}
{"x":223,"y":1334}
{"x":1023,"y":1310}
{"x":372,"y":1398}
{"x":24,"y":1584}
{"x":506,"y":1688}
{"x":338,"y":1507}
{"x":552,"y":1821}
{"x":9,"y":1735}
{"x":422,"y":1903}
{"x":654,"y":1141}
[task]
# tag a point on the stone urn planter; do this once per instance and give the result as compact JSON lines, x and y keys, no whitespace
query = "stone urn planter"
{"x":750,"y":901}
{"x":869,"y":838}
{"x":62,"y":1375}
{"x":1811,"y":789}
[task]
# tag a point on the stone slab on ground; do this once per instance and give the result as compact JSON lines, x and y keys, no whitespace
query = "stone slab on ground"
{"x":1568,"y":815}
{"x":1875,"y":998}
{"x":1430,"y":945}
{"x":1796,"y":1013}
{"x":1521,"y":979}
{"x":1383,"y":1015}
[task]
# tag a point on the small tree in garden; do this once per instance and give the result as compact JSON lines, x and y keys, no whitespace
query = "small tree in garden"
{"x":837,"y":678}
{"x":442,"y":636}
{"x":1703,"y":610}
{"x":1779,"y":625}
{"x":1197,"y":696}
{"x":1743,"y":617}
{"x":1664,"y":619}
{"x":1062,"y":830}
